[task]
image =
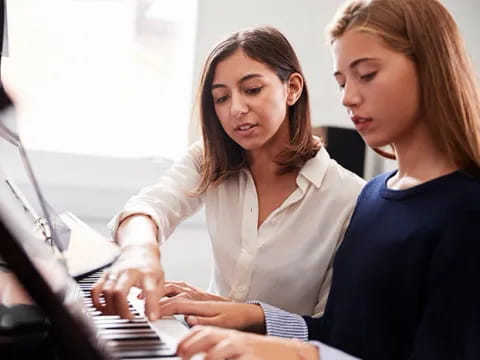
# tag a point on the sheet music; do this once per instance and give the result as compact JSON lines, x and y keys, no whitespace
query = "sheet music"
{"x":88,"y":250}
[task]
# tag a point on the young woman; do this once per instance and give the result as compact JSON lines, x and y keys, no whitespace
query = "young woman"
{"x":405,"y":278}
{"x":277,"y":206}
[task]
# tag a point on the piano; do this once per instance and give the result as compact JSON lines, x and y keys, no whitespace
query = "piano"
{"x":136,"y":338}
{"x":77,"y":330}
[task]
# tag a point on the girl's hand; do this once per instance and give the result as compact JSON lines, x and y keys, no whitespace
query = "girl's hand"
{"x":220,"y":344}
{"x":218,"y":313}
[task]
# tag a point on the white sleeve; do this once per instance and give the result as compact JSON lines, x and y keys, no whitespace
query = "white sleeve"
{"x":169,"y":201}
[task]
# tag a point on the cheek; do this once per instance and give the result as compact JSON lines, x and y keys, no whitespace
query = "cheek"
{"x":222,"y":115}
{"x":405,"y":95}
{"x":274,"y":108}
{"x":396,"y":101}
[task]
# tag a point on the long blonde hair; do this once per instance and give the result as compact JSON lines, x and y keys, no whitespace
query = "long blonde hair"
{"x":425,"y":31}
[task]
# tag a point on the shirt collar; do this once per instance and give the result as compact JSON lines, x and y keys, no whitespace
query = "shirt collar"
{"x":315,"y":169}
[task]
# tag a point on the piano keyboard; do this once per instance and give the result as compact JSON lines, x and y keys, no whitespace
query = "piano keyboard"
{"x":125,"y":339}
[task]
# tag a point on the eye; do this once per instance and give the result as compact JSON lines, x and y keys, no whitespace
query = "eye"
{"x":220,"y":99}
{"x":254,"y":90}
{"x":369,"y":76}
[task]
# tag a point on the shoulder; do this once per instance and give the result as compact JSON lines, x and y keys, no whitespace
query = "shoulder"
{"x":193,"y":157}
{"x":378,"y":182}
{"x":325,"y":172}
{"x":344,"y":176}
{"x":464,"y":192}
{"x":374,"y":186}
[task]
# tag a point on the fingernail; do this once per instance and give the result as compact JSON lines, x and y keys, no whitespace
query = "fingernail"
{"x":192,"y":320}
{"x":152,"y":316}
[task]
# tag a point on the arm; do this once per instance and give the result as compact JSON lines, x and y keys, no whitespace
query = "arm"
{"x":167,"y":202}
{"x":259,"y":317}
{"x":148,"y":218}
{"x":231,"y":344}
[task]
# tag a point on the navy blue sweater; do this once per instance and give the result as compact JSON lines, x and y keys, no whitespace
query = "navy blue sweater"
{"x":406,"y":277}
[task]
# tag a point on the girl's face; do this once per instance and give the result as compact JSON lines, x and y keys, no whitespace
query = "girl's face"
{"x":250,"y":101}
{"x":379,"y":86}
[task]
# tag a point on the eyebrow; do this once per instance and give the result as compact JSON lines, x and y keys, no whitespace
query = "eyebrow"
{"x":355,"y":64}
{"x":244,"y":78}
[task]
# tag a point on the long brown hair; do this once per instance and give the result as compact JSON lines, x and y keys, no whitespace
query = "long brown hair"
{"x":425,"y":31}
{"x":222,"y":156}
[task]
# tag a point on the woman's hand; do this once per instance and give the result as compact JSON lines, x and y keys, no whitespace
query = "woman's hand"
{"x":137,"y":265}
{"x":230,"y":344}
{"x":218,"y":313}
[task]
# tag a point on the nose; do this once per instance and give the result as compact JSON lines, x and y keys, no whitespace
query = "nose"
{"x":239,"y":106}
{"x":351,"y":95}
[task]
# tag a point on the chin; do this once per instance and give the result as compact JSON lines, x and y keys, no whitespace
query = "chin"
{"x":375,"y":141}
{"x":250,"y":145}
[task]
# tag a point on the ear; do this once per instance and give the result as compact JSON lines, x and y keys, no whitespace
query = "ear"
{"x":294,"y":88}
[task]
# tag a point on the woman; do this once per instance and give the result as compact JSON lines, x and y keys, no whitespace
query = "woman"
{"x":271,"y":192}
{"x":405,"y":277}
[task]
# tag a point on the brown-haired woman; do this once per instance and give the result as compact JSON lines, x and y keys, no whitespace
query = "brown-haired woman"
{"x":277,"y":206}
{"x":405,"y":278}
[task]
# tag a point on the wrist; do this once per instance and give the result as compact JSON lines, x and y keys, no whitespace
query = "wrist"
{"x":255,"y":319}
{"x":143,"y":250}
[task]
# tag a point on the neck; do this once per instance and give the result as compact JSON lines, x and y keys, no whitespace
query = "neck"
{"x":420,"y":159}
{"x":262,"y":161}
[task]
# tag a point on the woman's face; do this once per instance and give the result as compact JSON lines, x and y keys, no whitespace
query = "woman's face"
{"x":250,"y":101}
{"x":379,"y":86}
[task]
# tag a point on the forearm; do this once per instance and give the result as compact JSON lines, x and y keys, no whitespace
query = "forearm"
{"x":138,"y":231}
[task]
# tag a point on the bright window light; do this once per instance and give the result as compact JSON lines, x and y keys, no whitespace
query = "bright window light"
{"x":102,"y":77}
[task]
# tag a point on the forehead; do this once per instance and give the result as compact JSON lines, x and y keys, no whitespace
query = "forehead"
{"x":355,"y":44}
{"x":237,"y":65}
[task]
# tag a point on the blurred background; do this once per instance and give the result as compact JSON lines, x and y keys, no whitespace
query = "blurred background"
{"x":104,"y":91}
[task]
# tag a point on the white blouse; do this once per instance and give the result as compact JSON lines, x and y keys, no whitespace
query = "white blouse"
{"x":287,"y":261}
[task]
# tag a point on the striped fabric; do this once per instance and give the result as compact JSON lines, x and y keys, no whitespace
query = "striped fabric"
{"x":281,"y":323}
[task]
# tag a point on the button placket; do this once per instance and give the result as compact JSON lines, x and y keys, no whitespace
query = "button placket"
{"x":243,"y":268}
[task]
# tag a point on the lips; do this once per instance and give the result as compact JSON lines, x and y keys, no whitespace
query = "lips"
{"x":245,"y":127}
{"x":361,"y":123}
{"x":360,"y":119}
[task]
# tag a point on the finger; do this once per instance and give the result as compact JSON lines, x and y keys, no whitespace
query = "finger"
{"x":183,"y":285}
{"x":228,"y":348}
{"x":190,"y":307}
{"x":174,"y":289}
{"x":152,"y":291}
{"x":96,"y":293}
{"x":120,"y":295}
{"x":108,"y":306}
{"x":201,"y":341}
{"x":193,"y":320}
{"x":180,"y":297}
